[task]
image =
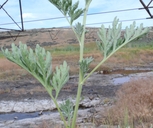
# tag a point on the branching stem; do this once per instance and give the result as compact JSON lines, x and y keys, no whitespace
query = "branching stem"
{"x":58,"y":108}
{"x":106,"y":58}
{"x":43,"y":75}
{"x":80,"y":73}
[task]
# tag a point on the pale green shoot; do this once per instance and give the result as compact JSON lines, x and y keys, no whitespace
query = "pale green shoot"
{"x":38,"y":62}
{"x":110,"y":40}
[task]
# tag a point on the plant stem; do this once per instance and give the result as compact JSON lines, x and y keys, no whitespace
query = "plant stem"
{"x":57,"y":106}
{"x":114,"y":50}
{"x":105,"y":58}
{"x":72,"y":29}
{"x":80,"y":73}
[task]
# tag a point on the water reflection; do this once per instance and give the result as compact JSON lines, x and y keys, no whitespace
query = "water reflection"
{"x":121,"y":80}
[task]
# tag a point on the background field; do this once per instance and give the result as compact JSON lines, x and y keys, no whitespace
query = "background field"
{"x":63,"y":46}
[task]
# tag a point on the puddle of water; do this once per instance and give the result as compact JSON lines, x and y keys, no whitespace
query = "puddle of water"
{"x":20,"y":116}
{"x":121,"y":80}
{"x":127,"y":78}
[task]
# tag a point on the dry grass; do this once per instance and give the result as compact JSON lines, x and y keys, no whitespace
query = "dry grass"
{"x":7,"y":65}
{"x":126,"y":57}
{"x":45,"y":124}
{"x":134,"y":104}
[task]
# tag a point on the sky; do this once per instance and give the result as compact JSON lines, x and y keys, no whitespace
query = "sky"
{"x":43,"y":9}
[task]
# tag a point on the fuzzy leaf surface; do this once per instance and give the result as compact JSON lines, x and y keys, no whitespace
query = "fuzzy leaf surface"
{"x":84,"y":65}
{"x":68,"y":9}
{"x":111,"y":39}
{"x":37,"y":62}
{"x":60,"y":77}
{"x":67,"y":110}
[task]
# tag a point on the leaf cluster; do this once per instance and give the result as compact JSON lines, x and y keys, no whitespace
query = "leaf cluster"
{"x":60,"y":77}
{"x":111,"y":39}
{"x":84,"y":65}
{"x":68,"y":8}
{"x":38,"y":63}
{"x":67,"y":110}
{"x":79,"y":29}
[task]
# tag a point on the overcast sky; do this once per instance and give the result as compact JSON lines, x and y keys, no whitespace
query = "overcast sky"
{"x":43,"y":9}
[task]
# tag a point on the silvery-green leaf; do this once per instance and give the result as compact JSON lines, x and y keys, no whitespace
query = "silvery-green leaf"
{"x":76,"y":15}
{"x":75,"y":6}
{"x":84,"y":65}
{"x":111,"y":39}
{"x":67,"y":110}
{"x":47,"y":61}
{"x":37,"y":62}
{"x":79,"y":29}
{"x":68,"y":9}
{"x":60,"y":77}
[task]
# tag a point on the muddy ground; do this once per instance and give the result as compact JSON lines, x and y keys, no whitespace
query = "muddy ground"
{"x":31,"y":88}
{"x":98,"y":92}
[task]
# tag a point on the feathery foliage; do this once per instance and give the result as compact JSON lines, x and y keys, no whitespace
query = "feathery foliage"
{"x":111,"y":40}
{"x":84,"y":65}
{"x":79,"y":30}
{"x":60,"y":77}
{"x":67,"y":110}
{"x":38,"y":61}
{"x":68,"y":9}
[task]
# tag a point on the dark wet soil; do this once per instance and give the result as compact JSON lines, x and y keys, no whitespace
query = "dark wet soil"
{"x":28,"y":89}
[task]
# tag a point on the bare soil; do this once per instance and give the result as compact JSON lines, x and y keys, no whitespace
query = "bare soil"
{"x":16,"y":85}
{"x":30,"y":88}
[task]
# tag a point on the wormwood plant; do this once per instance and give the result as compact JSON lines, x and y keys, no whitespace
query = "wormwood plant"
{"x":38,"y":61}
